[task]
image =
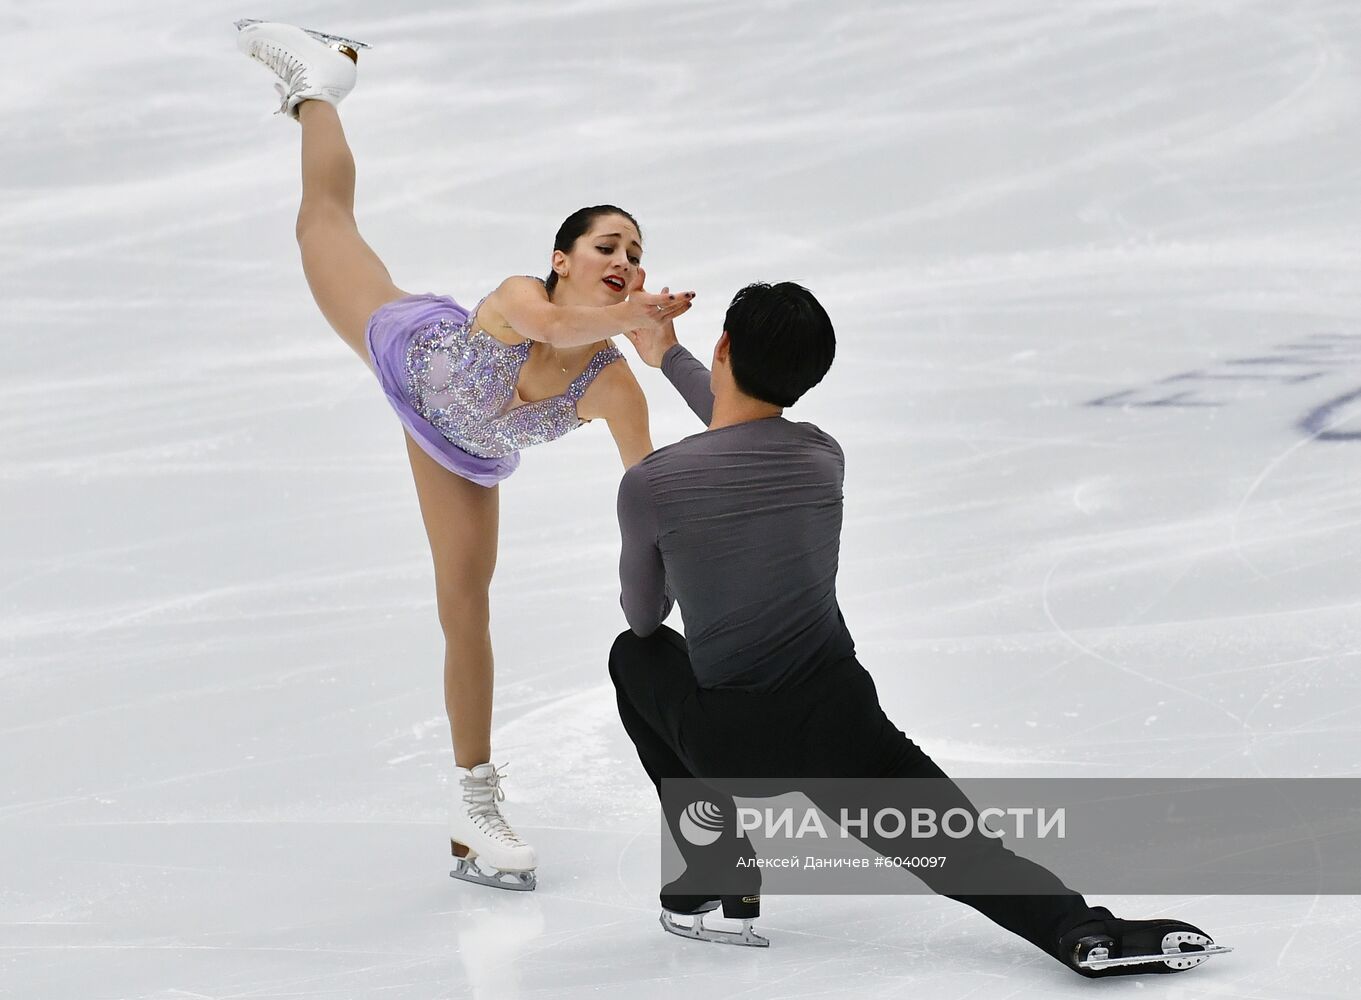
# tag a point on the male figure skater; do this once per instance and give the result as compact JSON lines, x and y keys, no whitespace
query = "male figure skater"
{"x":742,"y":525}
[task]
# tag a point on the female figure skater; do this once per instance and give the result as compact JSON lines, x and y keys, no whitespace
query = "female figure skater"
{"x":531,"y":362}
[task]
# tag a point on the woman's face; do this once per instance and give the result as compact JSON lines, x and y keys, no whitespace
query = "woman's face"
{"x":605,"y":263}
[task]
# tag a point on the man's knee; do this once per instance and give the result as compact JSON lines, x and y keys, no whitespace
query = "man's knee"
{"x":632,"y":651}
{"x":625,"y":648}
{"x":629,"y":642}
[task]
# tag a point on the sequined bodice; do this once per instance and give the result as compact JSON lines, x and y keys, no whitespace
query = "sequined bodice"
{"x":464,"y":384}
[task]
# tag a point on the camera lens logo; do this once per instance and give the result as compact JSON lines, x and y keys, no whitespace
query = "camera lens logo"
{"x":701,"y":823}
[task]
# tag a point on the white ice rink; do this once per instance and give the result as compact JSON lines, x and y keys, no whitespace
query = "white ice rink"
{"x":1095,"y":271}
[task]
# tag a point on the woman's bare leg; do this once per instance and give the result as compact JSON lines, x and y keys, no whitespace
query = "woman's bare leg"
{"x":349,"y":282}
{"x":461,"y":520}
{"x":346,"y":277}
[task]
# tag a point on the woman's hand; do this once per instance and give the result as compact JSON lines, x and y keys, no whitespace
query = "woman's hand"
{"x":652,"y":311}
{"x":652,"y":342}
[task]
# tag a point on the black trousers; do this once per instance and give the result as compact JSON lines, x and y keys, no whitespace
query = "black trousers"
{"x":828,"y":725}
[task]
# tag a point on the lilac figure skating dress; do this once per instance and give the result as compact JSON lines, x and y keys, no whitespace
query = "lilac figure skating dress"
{"x":454,"y":389}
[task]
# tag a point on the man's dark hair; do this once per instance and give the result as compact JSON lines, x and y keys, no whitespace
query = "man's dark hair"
{"x":781,"y":340}
{"x":575,"y":226}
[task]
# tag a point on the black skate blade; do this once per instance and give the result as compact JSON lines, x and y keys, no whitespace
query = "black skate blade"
{"x":745,"y":938}
{"x":468,"y":870}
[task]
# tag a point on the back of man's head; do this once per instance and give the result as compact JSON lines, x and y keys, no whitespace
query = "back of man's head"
{"x":781,"y":341}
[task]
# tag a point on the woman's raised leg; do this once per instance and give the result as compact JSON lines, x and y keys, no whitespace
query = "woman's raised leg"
{"x":346,"y":277}
{"x":461,"y":521}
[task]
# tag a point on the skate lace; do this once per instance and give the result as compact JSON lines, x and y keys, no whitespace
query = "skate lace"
{"x":290,"y":70}
{"x":482,"y":796}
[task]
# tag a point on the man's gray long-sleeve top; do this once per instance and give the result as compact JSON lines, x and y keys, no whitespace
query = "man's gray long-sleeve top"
{"x":741,"y":525}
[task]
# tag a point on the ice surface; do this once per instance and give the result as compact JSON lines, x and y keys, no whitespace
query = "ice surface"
{"x":1094,"y":271}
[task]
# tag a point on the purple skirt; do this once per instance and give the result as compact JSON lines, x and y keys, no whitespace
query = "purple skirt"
{"x":389,"y":334}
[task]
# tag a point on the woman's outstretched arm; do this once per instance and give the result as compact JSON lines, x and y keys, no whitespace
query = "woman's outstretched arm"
{"x":521,"y":305}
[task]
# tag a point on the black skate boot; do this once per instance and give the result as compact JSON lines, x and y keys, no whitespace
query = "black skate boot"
{"x":676,"y":900}
{"x":746,"y":908}
{"x":1115,"y":947}
{"x":680,"y":898}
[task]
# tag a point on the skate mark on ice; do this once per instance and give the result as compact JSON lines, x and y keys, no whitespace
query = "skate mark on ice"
{"x":1262,"y":477}
{"x":1155,"y":681}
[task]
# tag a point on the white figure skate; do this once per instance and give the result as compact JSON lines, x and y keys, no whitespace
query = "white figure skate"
{"x":310,"y":65}
{"x":477,"y":826}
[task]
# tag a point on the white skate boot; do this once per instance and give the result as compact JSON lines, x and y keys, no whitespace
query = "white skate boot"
{"x":477,"y":826}
{"x":310,"y":65}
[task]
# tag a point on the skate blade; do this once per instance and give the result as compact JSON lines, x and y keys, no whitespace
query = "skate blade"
{"x":320,"y":36}
{"x":1172,"y":955}
{"x":468,"y":870}
{"x":745,"y":938}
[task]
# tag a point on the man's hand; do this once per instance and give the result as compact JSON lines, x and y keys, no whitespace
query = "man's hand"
{"x":654,"y":340}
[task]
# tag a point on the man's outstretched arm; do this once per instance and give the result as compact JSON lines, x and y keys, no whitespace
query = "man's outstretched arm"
{"x":642,"y":577}
{"x":659,"y":348}
{"x":691,"y":379}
